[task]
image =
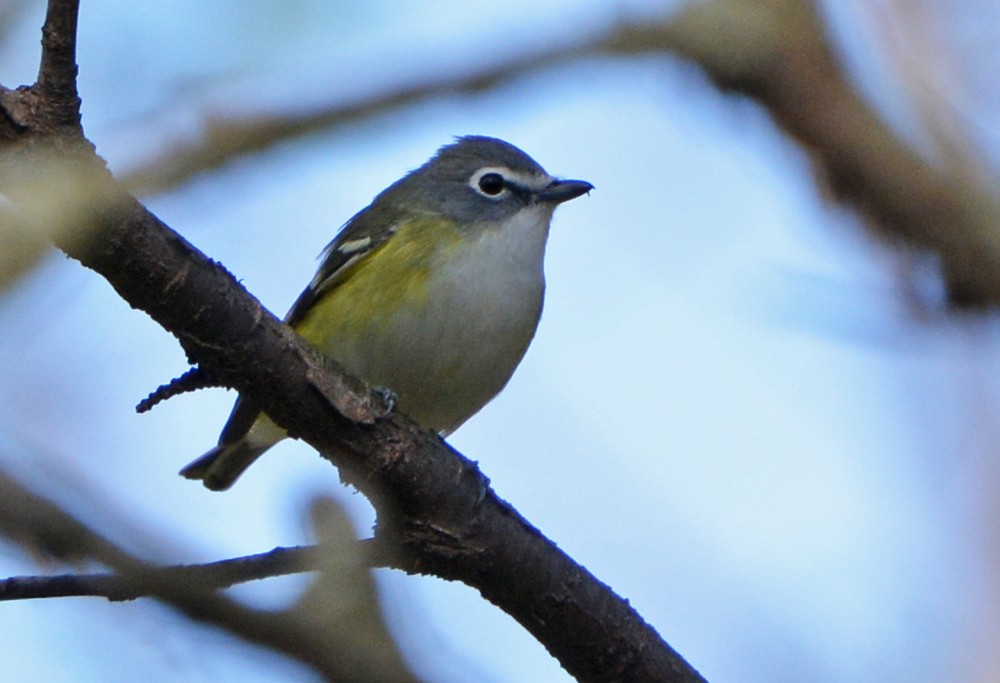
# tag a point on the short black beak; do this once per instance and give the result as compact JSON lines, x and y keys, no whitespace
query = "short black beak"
{"x":560,"y":191}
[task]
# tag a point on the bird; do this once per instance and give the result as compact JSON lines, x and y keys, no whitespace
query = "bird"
{"x":432,"y":292}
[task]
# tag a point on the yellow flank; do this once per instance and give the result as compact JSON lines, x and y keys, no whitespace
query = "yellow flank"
{"x":394,"y":275}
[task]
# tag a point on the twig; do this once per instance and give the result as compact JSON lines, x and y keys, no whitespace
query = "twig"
{"x":192,"y":380}
{"x":58,"y":70}
{"x":210,"y":576}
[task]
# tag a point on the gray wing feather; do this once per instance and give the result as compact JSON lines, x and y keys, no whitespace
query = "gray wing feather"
{"x":365,"y":232}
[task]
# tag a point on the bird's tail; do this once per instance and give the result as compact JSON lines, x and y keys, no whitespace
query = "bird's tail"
{"x":219,"y":468}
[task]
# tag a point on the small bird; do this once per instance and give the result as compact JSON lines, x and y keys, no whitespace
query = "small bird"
{"x":433,"y":291}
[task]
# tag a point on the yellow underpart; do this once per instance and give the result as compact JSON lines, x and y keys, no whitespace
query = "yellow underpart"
{"x":393,"y":275}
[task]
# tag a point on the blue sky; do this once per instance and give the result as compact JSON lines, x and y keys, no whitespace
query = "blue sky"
{"x":730,"y":414}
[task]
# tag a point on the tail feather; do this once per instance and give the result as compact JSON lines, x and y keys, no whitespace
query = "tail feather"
{"x":219,"y":468}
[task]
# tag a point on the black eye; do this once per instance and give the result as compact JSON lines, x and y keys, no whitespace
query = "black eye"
{"x":491,"y":184}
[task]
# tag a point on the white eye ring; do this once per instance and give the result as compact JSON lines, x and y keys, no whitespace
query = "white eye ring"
{"x":489,"y":183}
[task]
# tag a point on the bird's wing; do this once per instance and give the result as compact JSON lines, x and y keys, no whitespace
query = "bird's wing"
{"x":360,"y":237}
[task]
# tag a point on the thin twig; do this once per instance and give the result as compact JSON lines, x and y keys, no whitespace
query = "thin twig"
{"x":58,"y":70}
{"x":209,"y":576}
{"x":192,"y":380}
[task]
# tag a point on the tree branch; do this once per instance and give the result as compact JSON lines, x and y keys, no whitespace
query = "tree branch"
{"x":774,"y":51}
{"x":58,"y":70}
{"x":210,"y":576}
{"x":777,"y":52}
{"x":336,"y":627}
{"x":434,"y":505}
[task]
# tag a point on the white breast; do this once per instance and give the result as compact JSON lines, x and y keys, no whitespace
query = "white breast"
{"x":484,"y":300}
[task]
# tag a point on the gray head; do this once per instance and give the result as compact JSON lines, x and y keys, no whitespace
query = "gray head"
{"x":479,"y":178}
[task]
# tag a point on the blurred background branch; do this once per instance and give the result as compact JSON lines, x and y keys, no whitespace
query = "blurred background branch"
{"x":336,"y":627}
{"x":926,"y":395}
{"x":774,"y":51}
{"x":777,"y":52}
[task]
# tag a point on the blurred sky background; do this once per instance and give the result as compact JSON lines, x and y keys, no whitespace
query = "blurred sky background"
{"x":732,"y":413}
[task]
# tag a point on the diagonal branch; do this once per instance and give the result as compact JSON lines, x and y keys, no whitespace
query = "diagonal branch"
{"x":777,"y":52}
{"x":434,"y":505}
